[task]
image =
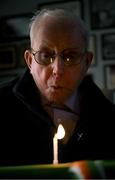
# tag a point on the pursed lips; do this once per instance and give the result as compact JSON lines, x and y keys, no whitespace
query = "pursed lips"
{"x":56,"y":87}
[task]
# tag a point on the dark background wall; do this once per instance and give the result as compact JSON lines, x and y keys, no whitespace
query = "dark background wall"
{"x":99,"y":17}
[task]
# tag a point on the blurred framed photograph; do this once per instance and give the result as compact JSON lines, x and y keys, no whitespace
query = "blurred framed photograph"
{"x":102,"y":14}
{"x":7,"y":57}
{"x":108,"y":46}
{"x":14,"y":27}
{"x":92,"y":48}
{"x":73,"y":5}
{"x":110,"y":77}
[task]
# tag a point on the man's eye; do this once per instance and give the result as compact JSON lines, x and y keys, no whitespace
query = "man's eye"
{"x":71,"y":57}
{"x":45,"y":55}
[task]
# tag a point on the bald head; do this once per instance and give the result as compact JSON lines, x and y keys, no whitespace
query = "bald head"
{"x":59,"y":17}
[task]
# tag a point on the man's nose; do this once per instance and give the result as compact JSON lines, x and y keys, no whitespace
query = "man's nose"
{"x":58,"y":65}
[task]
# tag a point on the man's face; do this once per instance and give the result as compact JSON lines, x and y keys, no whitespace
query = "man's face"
{"x":56,"y":81}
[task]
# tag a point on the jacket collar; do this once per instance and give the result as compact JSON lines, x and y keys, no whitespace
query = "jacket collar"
{"x":25,"y":89}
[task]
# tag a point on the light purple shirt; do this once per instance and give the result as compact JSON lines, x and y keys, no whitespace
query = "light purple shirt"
{"x":67,"y":119}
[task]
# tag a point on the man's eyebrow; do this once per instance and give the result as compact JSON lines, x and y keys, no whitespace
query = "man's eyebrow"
{"x":47,"y":48}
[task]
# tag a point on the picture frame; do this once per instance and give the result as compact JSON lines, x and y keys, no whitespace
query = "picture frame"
{"x":92,"y":48}
{"x":73,"y":5}
{"x":7,"y":57}
{"x":108,"y":46}
{"x":110,"y":76}
{"x":102,"y":13}
{"x":14,"y":27}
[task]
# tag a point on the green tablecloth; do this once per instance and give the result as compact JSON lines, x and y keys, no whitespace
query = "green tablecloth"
{"x":99,"y":169}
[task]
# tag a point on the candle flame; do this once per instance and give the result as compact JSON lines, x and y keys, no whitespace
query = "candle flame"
{"x":60,"y":132}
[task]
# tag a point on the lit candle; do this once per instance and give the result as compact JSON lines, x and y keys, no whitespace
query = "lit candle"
{"x":55,"y":149}
{"x":59,"y":135}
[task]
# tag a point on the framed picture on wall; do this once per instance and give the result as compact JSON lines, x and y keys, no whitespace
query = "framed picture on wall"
{"x":92,"y":48}
{"x":7,"y":57}
{"x":73,"y":5}
{"x":102,"y":14}
{"x":108,"y":46}
{"x":14,"y":27}
{"x":110,"y":76}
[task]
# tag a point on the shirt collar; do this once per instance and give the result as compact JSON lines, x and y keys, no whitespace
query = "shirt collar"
{"x":71,"y":101}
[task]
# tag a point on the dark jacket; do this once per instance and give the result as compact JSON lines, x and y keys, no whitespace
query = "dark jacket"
{"x":26,"y":130}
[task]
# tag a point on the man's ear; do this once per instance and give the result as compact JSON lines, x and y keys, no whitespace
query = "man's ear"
{"x":28,"y":58}
{"x":89,"y":58}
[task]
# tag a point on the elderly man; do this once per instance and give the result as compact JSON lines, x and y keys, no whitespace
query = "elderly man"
{"x":53,"y":90}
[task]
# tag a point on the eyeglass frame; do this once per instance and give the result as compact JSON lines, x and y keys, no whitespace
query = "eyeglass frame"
{"x":58,"y":54}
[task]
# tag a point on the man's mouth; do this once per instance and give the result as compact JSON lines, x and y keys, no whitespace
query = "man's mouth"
{"x":56,"y":88}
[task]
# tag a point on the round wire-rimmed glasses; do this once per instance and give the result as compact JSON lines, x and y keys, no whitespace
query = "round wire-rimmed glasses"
{"x":69,"y":57}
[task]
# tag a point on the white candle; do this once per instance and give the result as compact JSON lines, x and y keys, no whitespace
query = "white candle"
{"x":59,"y":135}
{"x":55,"y":149}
